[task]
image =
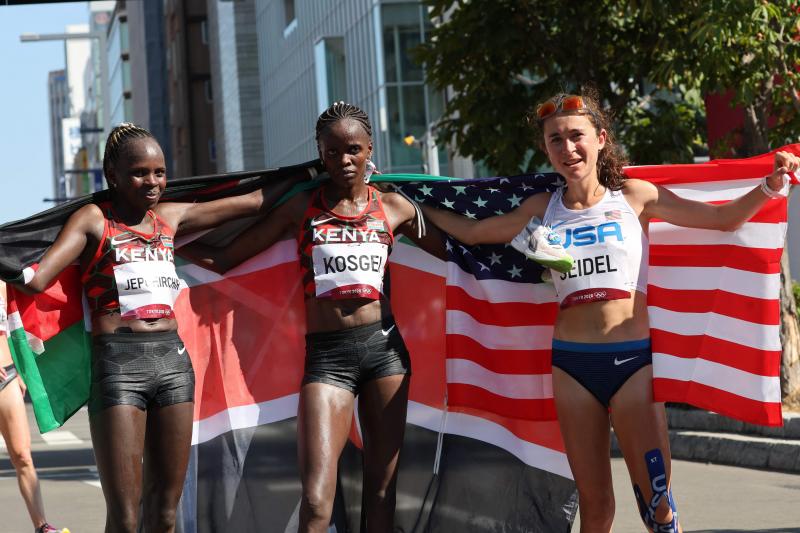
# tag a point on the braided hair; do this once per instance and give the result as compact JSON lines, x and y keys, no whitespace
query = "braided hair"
{"x":340,"y":111}
{"x":117,"y":139}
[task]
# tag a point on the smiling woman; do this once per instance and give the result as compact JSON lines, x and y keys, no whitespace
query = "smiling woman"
{"x":601,"y":352}
{"x":142,"y":390}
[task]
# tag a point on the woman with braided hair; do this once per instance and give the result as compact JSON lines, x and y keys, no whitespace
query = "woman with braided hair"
{"x":345,"y":231}
{"x":142,"y":386}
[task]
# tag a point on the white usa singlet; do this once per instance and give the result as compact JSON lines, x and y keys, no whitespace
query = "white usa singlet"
{"x":608,"y":245}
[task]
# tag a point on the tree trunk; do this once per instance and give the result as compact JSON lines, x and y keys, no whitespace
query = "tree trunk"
{"x":790,"y":336}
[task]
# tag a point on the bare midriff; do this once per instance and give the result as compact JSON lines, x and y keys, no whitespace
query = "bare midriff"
{"x":607,"y":321}
{"x":326,"y":314}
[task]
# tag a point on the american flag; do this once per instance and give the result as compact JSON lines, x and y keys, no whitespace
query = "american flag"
{"x":712,"y":296}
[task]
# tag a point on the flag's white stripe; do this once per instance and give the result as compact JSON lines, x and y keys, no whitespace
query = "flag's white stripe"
{"x":750,"y":235}
{"x":244,"y":416}
{"x":758,"y":336}
{"x":419,"y":414}
{"x":752,"y":284}
{"x":15,"y":323}
{"x":281,"y":252}
{"x":414,"y":257}
{"x":719,"y":376}
{"x":500,"y":291}
{"x":499,"y":337}
{"x":516,"y":386}
{"x":711,"y":191}
{"x":529,"y":453}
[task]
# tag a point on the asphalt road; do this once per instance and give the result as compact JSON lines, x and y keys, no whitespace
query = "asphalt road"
{"x":710,"y":498}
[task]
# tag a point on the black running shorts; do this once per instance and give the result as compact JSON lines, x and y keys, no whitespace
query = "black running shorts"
{"x":141,"y":369}
{"x":349,"y":358}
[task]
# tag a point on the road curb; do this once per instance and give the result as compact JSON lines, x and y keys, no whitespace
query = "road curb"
{"x":697,"y":435}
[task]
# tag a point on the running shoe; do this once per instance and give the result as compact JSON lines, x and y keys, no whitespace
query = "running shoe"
{"x":543,"y":245}
{"x":47,"y":528}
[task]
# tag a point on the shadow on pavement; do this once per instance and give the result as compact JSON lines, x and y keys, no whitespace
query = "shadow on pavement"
{"x":58,"y":465}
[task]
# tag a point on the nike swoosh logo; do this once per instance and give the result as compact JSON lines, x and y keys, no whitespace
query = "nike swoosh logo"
{"x":618,"y":362}
{"x":387,"y":331}
{"x":117,"y":242}
{"x":318,"y":222}
{"x":181,"y":350}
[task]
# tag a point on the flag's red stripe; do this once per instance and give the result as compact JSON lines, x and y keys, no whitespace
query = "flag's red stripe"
{"x":746,"y":358}
{"x":500,"y":361}
{"x":773,"y":212}
{"x":718,"y":170}
{"x":459,"y":394}
{"x":501,"y":314}
{"x":719,"y":401}
{"x":756,"y":310}
{"x":239,"y":331}
{"x":759,"y":260}
{"x":542,"y":432}
{"x":47,"y":314}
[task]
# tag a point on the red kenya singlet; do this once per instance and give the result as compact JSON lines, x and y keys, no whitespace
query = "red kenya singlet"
{"x":344,"y":257}
{"x":132,"y":273}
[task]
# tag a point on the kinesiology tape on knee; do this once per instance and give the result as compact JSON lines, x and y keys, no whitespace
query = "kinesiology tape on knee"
{"x":658,"y":484}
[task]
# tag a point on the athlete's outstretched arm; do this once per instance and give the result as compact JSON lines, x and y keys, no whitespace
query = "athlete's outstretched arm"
{"x":661,"y":203}
{"x":403,"y":217}
{"x":254,"y":239}
{"x":190,"y":217}
{"x":493,"y":230}
{"x":67,"y":248}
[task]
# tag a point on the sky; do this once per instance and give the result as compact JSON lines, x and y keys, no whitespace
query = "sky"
{"x":25,"y":168}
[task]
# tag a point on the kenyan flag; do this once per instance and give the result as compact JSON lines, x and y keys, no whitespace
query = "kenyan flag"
{"x":51,"y":348}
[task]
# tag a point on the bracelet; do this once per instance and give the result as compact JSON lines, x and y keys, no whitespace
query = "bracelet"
{"x":766,"y":189}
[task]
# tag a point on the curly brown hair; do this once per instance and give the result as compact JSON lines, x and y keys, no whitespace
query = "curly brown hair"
{"x":611,"y":158}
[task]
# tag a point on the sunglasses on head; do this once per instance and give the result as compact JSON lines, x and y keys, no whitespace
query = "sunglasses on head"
{"x":567,"y":103}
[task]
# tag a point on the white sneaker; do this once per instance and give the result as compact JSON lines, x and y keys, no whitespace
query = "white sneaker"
{"x":543,"y":245}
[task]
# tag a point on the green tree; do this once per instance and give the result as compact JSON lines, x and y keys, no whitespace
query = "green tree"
{"x":498,"y":58}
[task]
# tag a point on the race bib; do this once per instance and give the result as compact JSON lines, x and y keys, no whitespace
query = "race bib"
{"x":349,"y":270}
{"x":593,"y":278}
{"x":147,"y":289}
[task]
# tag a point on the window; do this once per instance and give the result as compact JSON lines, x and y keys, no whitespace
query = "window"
{"x":330,"y":72}
{"x":204,"y":31}
{"x":289,"y":18}
{"x":288,"y":12}
{"x":208,"y":90}
{"x":411,"y":106}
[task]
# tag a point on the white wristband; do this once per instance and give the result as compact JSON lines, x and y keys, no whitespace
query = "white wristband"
{"x":27,"y":274}
{"x":773,"y":194}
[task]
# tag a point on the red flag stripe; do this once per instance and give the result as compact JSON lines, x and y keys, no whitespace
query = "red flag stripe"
{"x":756,"y":310}
{"x":719,"y":401}
{"x":459,"y":394}
{"x":509,"y":361}
{"x":761,"y":260}
{"x":501,"y":314}
{"x":746,"y":358}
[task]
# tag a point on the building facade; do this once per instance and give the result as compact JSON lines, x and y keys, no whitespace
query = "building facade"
{"x":58,"y":99}
{"x":315,"y":53}
{"x":191,"y":112}
{"x":235,"y":85}
{"x":148,"y":63}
